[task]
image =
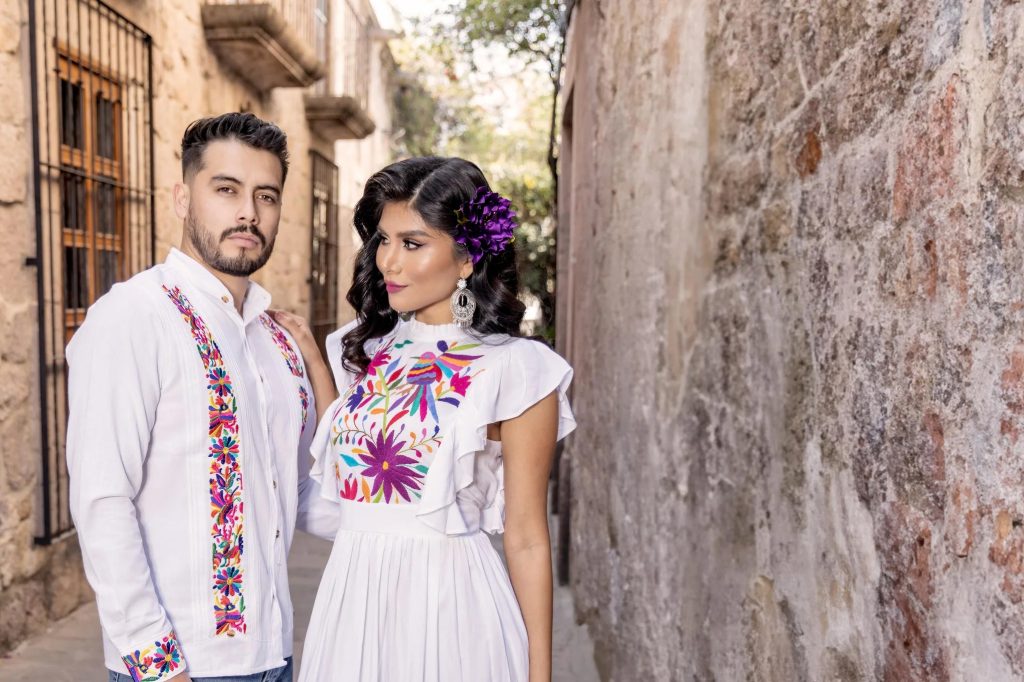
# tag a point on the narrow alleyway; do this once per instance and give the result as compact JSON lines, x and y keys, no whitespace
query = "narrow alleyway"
{"x":70,"y":651}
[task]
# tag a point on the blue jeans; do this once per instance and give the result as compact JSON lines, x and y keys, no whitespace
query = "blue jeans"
{"x":282,"y":674}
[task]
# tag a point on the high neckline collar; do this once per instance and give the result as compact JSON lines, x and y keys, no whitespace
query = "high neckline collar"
{"x":422,"y":331}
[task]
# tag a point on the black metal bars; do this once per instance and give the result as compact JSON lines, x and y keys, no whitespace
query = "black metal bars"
{"x":92,"y":106}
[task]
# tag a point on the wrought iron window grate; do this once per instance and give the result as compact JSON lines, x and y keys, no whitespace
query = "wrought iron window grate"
{"x":92,"y":104}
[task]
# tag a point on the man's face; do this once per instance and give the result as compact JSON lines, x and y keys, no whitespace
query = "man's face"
{"x":231,"y":207}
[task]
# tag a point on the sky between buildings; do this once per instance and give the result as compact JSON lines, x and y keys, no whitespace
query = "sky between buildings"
{"x":505,"y":94}
{"x":410,"y":8}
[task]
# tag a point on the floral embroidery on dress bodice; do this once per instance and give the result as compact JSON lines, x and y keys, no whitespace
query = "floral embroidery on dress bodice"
{"x":389,"y":422}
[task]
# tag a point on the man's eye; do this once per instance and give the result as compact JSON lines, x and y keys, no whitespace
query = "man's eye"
{"x":226,"y":190}
{"x":269,"y":198}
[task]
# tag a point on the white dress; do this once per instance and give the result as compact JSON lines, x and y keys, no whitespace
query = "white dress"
{"x":413,"y":590}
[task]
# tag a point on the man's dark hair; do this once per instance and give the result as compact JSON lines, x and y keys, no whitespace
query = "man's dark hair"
{"x":246,"y":128}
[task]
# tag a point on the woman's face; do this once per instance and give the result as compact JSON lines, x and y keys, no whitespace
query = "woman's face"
{"x":419,"y":264}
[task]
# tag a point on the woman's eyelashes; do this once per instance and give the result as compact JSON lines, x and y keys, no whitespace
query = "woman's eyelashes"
{"x":407,"y":243}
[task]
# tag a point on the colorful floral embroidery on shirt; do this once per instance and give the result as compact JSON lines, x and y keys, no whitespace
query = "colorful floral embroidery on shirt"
{"x":291,"y":358}
{"x":388,"y":419}
{"x":154,"y":662}
{"x":225,"y":475}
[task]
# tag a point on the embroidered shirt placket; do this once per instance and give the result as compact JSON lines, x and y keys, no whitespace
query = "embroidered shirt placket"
{"x":275,"y":540}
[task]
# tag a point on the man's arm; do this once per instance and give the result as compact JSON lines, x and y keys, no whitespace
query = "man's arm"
{"x":113,"y":393}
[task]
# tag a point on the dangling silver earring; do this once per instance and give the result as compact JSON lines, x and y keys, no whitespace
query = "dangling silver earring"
{"x":463,"y":305}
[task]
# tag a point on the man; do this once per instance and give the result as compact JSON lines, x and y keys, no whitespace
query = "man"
{"x":188,"y":410}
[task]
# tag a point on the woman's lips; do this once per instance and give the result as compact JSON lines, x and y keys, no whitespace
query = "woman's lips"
{"x":392,"y":288}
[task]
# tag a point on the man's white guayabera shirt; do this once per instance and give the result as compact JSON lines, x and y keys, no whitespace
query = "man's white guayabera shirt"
{"x":188,"y":437}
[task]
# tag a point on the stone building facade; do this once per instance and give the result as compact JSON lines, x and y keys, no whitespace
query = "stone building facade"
{"x":94,"y":100}
{"x":792,"y":287}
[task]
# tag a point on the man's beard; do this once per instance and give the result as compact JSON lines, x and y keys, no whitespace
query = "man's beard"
{"x":239,"y":266}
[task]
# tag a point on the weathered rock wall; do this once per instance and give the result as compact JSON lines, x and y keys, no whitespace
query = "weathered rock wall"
{"x":797,"y":301}
{"x":36,"y":584}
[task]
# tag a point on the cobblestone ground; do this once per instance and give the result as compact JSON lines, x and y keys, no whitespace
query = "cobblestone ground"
{"x":71,"y":651}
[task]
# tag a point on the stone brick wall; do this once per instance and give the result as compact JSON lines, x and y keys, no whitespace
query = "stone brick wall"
{"x":36,"y":584}
{"x":797,"y":293}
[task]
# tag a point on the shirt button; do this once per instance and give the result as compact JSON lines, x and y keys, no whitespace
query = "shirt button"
{"x":277,"y":534}
{"x":224,"y":298}
{"x":275,"y":484}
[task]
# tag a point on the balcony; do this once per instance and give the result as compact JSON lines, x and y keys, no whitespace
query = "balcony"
{"x":271,"y":44}
{"x":339,"y":108}
{"x":338,"y":117}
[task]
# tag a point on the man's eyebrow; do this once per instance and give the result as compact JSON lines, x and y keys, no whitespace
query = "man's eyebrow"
{"x":228,"y":178}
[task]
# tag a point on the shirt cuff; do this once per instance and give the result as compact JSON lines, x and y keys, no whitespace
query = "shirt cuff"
{"x":160,"y":660}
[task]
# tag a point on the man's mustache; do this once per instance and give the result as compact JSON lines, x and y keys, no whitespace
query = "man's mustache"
{"x":244,"y":228}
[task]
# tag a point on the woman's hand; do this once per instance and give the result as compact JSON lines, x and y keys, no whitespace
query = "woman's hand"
{"x":300,"y":331}
{"x":324,"y":391}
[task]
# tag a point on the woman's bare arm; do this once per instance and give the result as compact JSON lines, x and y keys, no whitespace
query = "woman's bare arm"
{"x":528,"y":447}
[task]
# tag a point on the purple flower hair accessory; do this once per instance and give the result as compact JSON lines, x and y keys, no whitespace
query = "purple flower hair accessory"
{"x":485,"y":224}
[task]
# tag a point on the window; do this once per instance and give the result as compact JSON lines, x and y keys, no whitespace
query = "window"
{"x":324,"y":252}
{"x":91,"y":170}
{"x":93,"y":193}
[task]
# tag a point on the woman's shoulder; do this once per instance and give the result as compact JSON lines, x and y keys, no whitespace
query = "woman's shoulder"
{"x":527,"y":371}
{"x":335,"y":337}
{"x":335,"y":340}
{"x":514,"y":360}
{"x":531,"y":354}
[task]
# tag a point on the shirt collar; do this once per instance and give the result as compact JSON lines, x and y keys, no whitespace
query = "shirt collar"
{"x":423,"y":331}
{"x":257,"y":299}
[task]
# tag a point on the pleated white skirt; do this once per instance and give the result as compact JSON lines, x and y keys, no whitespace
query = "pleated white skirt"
{"x":400,"y":602}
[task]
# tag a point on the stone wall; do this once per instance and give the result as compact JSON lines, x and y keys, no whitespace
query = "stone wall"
{"x":796,"y":277}
{"x":36,"y":584}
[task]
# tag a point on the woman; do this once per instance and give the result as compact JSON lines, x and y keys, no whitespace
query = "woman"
{"x":446,"y":426}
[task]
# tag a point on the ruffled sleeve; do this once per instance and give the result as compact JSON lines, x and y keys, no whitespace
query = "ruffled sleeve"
{"x":524,"y":373}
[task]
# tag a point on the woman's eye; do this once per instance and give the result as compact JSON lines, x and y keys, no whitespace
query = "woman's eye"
{"x":412,"y":246}
{"x":383,"y":239}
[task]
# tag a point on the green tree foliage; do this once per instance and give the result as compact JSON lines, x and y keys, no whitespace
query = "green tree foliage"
{"x":530,"y":29}
{"x":415,"y":115}
{"x":535,"y":242}
{"x":459,"y":68}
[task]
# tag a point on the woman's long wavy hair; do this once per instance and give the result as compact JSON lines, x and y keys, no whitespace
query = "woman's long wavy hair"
{"x":435,"y":188}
